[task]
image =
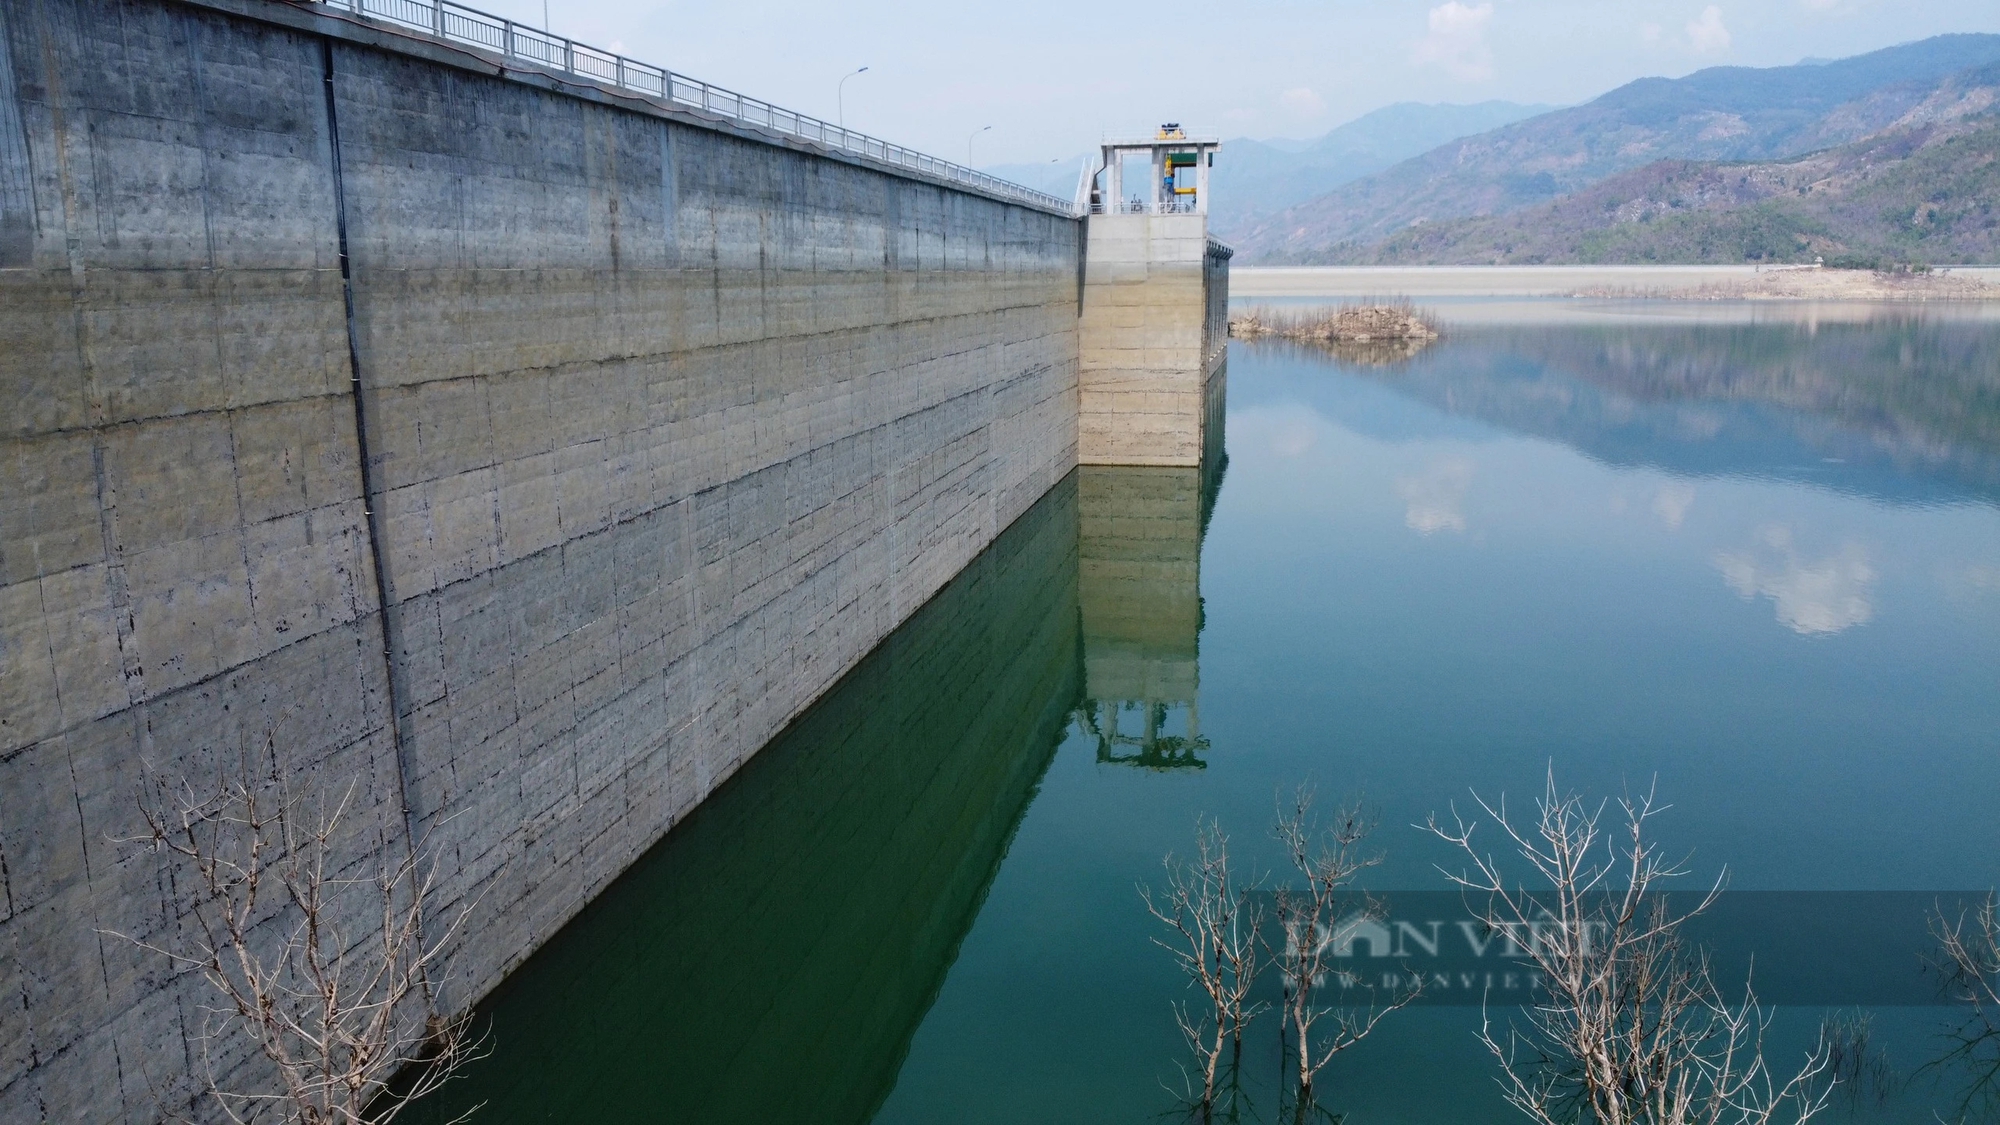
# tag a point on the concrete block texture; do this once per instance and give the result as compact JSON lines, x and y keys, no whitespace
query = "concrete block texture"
{"x":1148,"y":339}
{"x":665,"y":429}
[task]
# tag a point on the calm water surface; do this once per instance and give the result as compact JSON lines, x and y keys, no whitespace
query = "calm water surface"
{"x":1754,"y":555}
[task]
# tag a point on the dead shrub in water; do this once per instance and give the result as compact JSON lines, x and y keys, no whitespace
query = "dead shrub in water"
{"x":1215,"y":921}
{"x":1858,"y":1068}
{"x":1969,"y":957}
{"x":1633,"y":1030}
{"x":1313,"y":919}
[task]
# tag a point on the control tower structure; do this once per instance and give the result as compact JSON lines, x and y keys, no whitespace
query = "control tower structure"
{"x":1155,"y":304}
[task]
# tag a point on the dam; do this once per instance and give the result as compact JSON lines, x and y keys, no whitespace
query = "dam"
{"x":513,"y":437}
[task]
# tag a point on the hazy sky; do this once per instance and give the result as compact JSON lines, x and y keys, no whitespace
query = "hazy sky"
{"x":1050,"y":76}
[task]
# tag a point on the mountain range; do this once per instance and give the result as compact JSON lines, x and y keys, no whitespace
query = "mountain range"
{"x":1726,"y":164}
{"x":1254,"y":178}
{"x":1926,"y":190}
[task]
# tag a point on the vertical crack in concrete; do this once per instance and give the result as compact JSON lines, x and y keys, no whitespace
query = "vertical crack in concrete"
{"x":369,"y":490}
{"x":20,"y":223}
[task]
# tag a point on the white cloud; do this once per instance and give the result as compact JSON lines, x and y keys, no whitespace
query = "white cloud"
{"x":1706,"y":34}
{"x":1436,"y":496}
{"x":1302,"y":101}
{"x":1813,"y":597}
{"x":1650,"y":32}
{"x":1672,"y":502}
{"x":1457,"y":41}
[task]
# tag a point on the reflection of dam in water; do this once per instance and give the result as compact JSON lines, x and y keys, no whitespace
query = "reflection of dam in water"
{"x":807,"y":913}
{"x":1139,"y":594}
{"x":810,"y":909}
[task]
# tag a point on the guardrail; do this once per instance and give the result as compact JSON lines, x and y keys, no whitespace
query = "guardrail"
{"x":1176,"y":206}
{"x":457,"y":23}
{"x":1189,"y":137}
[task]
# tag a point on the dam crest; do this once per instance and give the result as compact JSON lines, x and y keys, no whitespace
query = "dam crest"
{"x":510,"y":445}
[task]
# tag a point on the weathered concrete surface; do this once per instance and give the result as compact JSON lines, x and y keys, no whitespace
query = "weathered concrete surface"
{"x":809,"y":911}
{"x":1155,"y":319}
{"x":667,"y":428}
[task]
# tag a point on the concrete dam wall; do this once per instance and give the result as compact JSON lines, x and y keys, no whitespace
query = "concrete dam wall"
{"x":844,"y":863}
{"x":522,"y":455}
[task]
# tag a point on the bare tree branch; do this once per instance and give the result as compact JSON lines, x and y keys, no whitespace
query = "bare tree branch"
{"x":1634,"y":1030}
{"x":1969,"y":958}
{"x":1860,"y":1070}
{"x":329,"y":974}
{"x":1214,"y":922}
{"x":1312,"y":917}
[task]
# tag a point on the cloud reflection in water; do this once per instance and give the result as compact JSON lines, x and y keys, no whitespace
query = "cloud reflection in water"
{"x":1813,"y":597}
{"x":1672,"y":502}
{"x":1436,"y":496}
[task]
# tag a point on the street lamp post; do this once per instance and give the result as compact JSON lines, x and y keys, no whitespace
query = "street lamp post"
{"x":840,"y":95}
{"x":968,"y":143}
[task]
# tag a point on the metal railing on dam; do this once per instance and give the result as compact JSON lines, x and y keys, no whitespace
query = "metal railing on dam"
{"x":1178,"y":206}
{"x":457,"y":23}
{"x":547,"y":449}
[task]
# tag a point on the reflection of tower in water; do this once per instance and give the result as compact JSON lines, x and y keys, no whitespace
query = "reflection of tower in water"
{"x":1139,"y":592}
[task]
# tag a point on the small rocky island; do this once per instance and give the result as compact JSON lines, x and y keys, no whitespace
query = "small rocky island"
{"x":1348,"y":324}
{"x":1372,"y":335}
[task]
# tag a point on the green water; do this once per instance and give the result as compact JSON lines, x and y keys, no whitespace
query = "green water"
{"x":1756,"y":558}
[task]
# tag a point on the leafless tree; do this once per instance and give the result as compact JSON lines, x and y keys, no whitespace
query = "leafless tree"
{"x":1312,"y":916}
{"x":1969,"y":956}
{"x":1215,"y":921}
{"x":329,"y":974}
{"x":1633,"y":1029}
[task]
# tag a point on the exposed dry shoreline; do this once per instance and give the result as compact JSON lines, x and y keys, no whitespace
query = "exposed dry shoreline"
{"x":1816,"y":285}
{"x":1693,"y":283}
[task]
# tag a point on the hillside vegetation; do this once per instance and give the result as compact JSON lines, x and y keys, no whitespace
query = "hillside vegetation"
{"x":1677,"y":133}
{"x":1928,"y":193}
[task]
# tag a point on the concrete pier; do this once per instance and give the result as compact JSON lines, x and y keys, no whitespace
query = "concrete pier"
{"x":1155,"y":313}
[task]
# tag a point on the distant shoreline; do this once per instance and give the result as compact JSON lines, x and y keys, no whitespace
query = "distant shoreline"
{"x":1691,"y":283}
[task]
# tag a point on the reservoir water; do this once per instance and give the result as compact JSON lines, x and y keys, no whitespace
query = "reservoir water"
{"x":1750,"y":555}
